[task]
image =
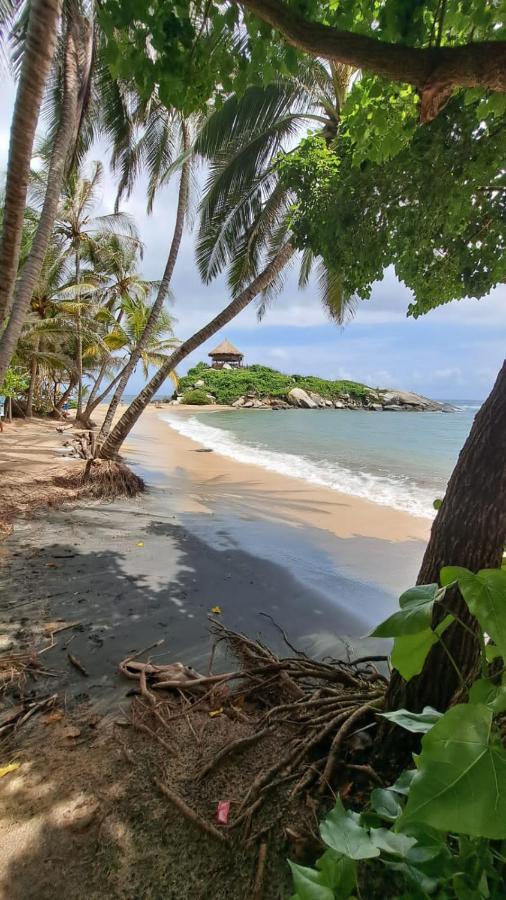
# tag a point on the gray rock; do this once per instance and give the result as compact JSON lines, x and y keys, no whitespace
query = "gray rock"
{"x":407,"y":399}
{"x":248,"y":405}
{"x":392,"y":407}
{"x":338,"y":404}
{"x":300,"y":398}
{"x":239,"y":402}
{"x":376,"y":407}
{"x":329,"y":403}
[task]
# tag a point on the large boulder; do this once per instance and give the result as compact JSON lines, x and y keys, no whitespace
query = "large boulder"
{"x":300,"y":398}
{"x":409,"y":400}
{"x":338,"y":404}
{"x":239,"y":402}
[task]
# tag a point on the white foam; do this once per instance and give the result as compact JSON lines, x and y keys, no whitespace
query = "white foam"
{"x":393,"y":491}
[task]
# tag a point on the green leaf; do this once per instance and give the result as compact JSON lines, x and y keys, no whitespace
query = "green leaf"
{"x":342,"y":832}
{"x":309,"y":884}
{"x":339,"y":872}
{"x":415,"y":614}
{"x":460,"y":785}
{"x":489,"y":694}
{"x":418,"y":878}
{"x":392,"y":842}
{"x":410,"y":651}
{"x":420,"y":723}
{"x":404,"y":782}
{"x":485,"y":595}
{"x":385,"y":804}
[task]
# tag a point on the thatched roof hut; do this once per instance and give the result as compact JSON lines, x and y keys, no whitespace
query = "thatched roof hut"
{"x":226,"y":354}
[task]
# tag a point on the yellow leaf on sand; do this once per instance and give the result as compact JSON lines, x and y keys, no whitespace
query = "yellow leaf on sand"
{"x":216,"y":610}
{"x":4,"y":770}
{"x":216,"y":712}
{"x":140,"y":543}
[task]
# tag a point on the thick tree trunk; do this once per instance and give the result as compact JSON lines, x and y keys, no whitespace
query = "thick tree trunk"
{"x":38,"y":55}
{"x":58,"y":405}
{"x":469,"y":530}
{"x":161,"y":295}
{"x":92,"y":404}
{"x":79,"y":343}
{"x":111,"y":446}
{"x":435,"y":71}
{"x":33,"y":266}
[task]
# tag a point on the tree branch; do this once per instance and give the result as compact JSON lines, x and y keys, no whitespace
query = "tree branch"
{"x":435,"y":71}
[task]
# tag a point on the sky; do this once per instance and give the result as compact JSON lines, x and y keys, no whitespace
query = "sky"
{"x":453,"y":352}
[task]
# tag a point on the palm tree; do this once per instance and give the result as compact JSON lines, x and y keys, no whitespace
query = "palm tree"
{"x":83,"y":101}
{"x":87,"y":237}
{"x":41,"y":40}
{"x":165,"y":134}
{"x":244,"y":216}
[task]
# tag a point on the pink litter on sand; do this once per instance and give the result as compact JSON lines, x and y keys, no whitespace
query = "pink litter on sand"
{"x":223,"y":811}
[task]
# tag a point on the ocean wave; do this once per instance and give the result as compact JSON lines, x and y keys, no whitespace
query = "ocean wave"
{"x":393,"y":491}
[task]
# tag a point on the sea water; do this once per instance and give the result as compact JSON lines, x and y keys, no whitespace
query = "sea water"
{"x":397,"y":459}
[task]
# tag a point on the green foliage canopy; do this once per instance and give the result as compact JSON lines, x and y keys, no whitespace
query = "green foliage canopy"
{"x":435,"y":210}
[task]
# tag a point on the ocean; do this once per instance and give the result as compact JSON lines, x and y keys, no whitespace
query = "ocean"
{"x":395,"y":459}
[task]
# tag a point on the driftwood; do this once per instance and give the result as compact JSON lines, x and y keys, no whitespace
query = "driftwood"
{"x":190,"y":813}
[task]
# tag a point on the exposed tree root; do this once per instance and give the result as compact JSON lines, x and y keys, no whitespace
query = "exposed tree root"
{"x":312,"y":708}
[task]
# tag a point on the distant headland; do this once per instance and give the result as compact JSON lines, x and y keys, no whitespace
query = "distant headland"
{"x":259,"y":387}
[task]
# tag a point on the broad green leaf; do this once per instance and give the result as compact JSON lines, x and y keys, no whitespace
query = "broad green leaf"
{"x":419,"y":723}
{"x":430,"y":843}
{"x":485,"y":595}
{"x":309,"y":883}
{"x":385,"y":804}
{"x":342,"y":832}
{"x":460,"y":785}
{"x":410,"y":651}
{"x":415,"y":613}
{"x":339,"y":872}
{"x":404,"y":782}
{"x":491,"y":695}
{"x":418,"y":878}
{"x":394,"y":843}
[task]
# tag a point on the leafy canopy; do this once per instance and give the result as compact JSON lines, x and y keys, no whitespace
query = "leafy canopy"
{"x":434,"y":210}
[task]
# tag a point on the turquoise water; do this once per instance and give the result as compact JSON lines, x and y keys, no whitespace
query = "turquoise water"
{"x":396,"y":459}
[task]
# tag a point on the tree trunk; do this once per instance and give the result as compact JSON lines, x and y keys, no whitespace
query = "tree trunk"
{"x":9,"y":410}
{"x":38,"y":55}
{"x":66,"y":394}
{"x":161,"y":295}
{"x":112,"y":444}
{"x":92,"y":404}
{"x":79,"y":342}
{"x":469,"y":530}
{"x":435,"y":71}
{"x":33,"y":266}
{"x":33,"y":381}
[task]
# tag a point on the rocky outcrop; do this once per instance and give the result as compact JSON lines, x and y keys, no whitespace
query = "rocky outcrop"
{"x":302,"y":399}
{"x":406,"y":400}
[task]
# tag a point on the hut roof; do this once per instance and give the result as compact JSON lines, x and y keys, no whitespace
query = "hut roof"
{"x":225,"y":348}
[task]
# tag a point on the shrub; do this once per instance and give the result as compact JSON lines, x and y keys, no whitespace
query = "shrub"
{"x":196,"y":397}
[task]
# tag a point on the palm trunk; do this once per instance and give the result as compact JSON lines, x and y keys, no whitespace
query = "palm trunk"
{"x":92,"y":405}
{"x":112,"y":444}
{"x":33,"y":381}
{"x":64,"y":397}
{"x":9,"y":411}
{"x":79,"y":341}
{"x":38,"y":55}
{"x":161,"y":295}
{"x":33,"y":266}
{"x":469,"y":530}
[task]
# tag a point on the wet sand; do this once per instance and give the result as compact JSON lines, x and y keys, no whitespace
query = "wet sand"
{"x":208,"y":532}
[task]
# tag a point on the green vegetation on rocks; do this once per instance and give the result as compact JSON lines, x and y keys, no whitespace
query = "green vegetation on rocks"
{"x":196,"y":397}
{"x":228,"y":385}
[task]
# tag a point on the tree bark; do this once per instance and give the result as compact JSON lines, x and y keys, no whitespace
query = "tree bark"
{"x":79,"y":341}
{"x":33,"y":265}
{"x":112,"y":444}
{"x":435,"y":71}
{"x":469,"y":530}
{"x":33,"y":381}
{"x":162,"y":291}
{"x":38,"y":55}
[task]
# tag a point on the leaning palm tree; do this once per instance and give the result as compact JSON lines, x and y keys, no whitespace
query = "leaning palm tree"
{"x":41,"y":39}
{"x":83,"y":101}
{"x":245,"y":213}
{"x":165,"y":135}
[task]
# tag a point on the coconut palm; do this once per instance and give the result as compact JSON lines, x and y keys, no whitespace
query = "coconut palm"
{"x":83,"y":101}
{"x":86,"y":237}
{"x":41,"y":37}
{"x":166,"y":134}
{"x":244,"y":217}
